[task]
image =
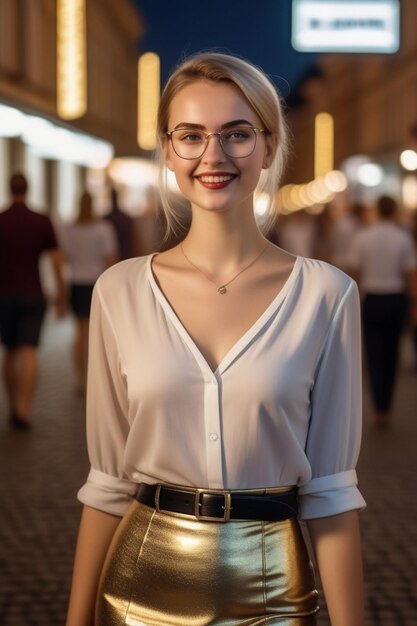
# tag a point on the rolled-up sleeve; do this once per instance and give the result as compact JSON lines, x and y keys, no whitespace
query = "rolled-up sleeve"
{"x":107,"y":487}
{"x":334,"y":435}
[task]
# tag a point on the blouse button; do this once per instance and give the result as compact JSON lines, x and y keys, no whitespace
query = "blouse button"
{"x":213,"y":437}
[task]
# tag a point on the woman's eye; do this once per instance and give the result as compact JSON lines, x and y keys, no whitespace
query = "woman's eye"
{"x":237,"y":134}
{"x":191,"y":137}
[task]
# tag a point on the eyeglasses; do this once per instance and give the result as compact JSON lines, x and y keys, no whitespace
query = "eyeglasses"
{"x":236,"y":143}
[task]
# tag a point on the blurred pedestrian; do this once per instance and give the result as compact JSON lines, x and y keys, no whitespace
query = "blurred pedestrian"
{"x":224,"y":392}
{"x":24,"y":237}
{"x":413,"y":316}
{"x":383,"y":259}
{"x":297,"y":232}
{"x":342,"y":232}
{"x":149,"y":231}
{"x":323,"y":225}
{"x":90,"y":246}
{"x":123,"y":226}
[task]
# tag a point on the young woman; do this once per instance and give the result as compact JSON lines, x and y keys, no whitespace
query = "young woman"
{"x":90,"y":247}
{"x":224,"y":396}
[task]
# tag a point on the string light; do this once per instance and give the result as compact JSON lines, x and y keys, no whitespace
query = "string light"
{"x":148,"y":99}
{"x":71,"y":59}
{"x":408,"y":159}
{"x":323,"y":146}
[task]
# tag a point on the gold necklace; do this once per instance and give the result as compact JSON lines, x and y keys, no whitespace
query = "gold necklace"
{"x":222,"y":288}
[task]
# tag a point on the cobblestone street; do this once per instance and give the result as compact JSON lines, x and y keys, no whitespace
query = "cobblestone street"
{"x":41,"y":471}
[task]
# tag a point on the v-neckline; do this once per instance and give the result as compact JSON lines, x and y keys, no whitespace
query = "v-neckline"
{"x":242,"y":342}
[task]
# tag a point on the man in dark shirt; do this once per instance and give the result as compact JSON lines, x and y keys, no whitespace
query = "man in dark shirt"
{"x":24,"y":237}
{"x":123,"y":225}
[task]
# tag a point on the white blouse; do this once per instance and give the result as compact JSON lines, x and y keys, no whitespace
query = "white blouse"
{"x":282,"y":408}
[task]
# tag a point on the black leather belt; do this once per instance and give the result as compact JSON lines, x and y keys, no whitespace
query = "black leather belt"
{"x":219,"y":506}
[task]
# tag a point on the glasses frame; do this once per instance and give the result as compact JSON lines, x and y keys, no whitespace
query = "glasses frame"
{"x":257,"y":131}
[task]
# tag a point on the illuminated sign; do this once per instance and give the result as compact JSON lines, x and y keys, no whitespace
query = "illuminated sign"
{"x":346,"y":26}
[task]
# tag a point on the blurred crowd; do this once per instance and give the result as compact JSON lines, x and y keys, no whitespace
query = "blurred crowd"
{"x":375,"y":244}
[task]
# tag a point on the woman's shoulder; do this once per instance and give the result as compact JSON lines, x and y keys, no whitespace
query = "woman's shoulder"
{"x":325,"y":279}
{"x":120,"y":276}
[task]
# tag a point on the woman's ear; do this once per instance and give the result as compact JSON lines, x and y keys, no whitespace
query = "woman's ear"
{"x":271,"y":145}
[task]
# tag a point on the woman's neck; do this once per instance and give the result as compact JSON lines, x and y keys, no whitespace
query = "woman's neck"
{"x":220,"y":240}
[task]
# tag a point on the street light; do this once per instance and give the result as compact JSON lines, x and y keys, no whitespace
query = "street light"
{"x":148,"y":99}
{"x":408,"y":159}
{"x":323,"y":145}
{"x":71,"y":59}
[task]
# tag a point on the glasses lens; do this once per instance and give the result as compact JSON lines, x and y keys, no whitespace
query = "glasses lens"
{"x":238,"y":142}
{"x":188,"y":144}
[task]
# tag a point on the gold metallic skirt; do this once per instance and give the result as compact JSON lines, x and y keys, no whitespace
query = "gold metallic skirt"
{"x":166,"y":569}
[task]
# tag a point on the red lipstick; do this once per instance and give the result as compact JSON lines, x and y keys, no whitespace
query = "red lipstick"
{"x":216,"y":180}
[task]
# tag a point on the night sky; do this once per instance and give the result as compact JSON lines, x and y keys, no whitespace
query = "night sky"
{"x":258,"y":30}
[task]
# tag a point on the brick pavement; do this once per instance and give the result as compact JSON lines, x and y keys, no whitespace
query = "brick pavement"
{"x":41,"y":471}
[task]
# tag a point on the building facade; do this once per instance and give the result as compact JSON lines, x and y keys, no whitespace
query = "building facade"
{"x":373,"y":100}
{"x":28,"y":83}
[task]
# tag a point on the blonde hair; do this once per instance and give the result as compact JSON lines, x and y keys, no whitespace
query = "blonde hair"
{"x":258,"y":91}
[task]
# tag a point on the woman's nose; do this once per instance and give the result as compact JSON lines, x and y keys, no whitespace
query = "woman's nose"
{"x":214,"y":151}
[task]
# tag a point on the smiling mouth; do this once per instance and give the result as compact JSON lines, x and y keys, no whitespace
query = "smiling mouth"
{"x":220,"y":178}
{"x":216,"y":181}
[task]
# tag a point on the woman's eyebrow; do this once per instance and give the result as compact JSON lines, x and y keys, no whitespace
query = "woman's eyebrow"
{"x":226,"y":125}
{"x":189,"y":125}
{"x":237,"y":123}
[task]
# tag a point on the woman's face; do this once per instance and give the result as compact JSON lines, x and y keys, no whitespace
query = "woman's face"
{"x":213,"y":106}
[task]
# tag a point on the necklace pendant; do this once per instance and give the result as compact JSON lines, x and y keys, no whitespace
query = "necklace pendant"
{"x":222,"y":289}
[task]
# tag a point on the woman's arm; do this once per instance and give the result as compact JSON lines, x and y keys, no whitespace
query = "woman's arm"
{"x":95,"y":534}
{"x":61,"y":297}
{"x":337,"y":547}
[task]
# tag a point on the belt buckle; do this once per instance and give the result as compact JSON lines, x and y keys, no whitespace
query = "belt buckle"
{"x":226,"y":508}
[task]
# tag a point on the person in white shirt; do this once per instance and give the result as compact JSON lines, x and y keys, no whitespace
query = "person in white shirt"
{"x":90,"y":246}
{"x":383,"y":259}
{"x":224,"y":395}
{"x":297,"y":233}
{"x":342,"y":232}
